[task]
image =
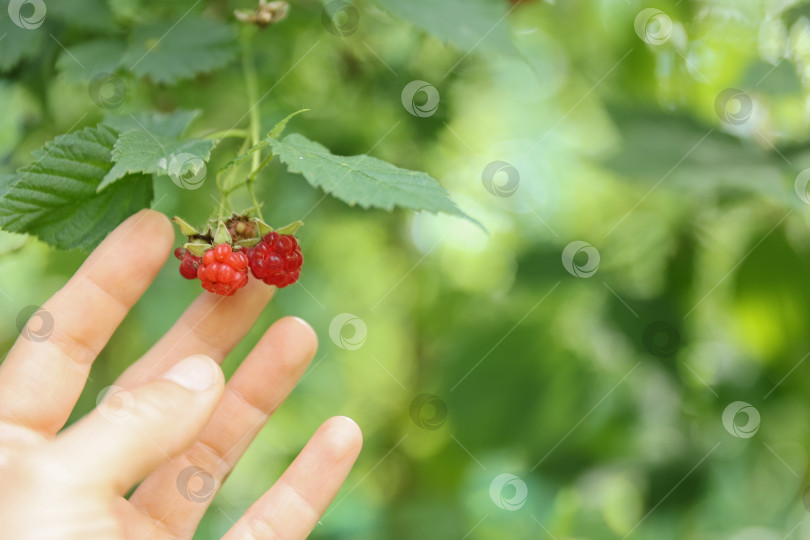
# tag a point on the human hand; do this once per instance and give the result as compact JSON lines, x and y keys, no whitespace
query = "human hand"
{"x":175,"y":418}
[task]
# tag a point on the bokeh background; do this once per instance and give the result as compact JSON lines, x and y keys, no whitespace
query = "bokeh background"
{"x":621,"y":355}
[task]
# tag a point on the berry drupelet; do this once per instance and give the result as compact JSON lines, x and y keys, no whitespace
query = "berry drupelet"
{"x":276,"y":259}
{"x":222,"y":270}
{"x":188,"y":263}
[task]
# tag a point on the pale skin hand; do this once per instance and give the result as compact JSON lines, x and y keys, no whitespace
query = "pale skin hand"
{"x":71,"y":484}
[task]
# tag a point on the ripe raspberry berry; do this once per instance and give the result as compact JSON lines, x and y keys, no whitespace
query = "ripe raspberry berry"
{"x":277,"y":259}
{"x":189,"y":263}
{"x":223,"y":271}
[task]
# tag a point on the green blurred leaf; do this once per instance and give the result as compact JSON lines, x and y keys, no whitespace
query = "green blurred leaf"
{"x":696,"y":159}
{"x":363,"y":180}
{"x":86,"y":60}
{"x":791,"y":15}
{"x":170,"y":125}
{"x":467,"y":24}
{"x":17,"y":109}
{"x":17,"y":43}
{"x":86,"y":14}
{"x":55,"y":197}
{"x":778,"y":80}
{"x":170,"y":51}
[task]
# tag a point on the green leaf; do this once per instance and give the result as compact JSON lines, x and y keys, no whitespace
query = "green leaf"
{"x":364,"y":180}
{"x":142,"y":152}
{"x":171,"y":125}
{"x":279,"y":128}
{"x":17,"y":43}
{"x":149,"y":142}
{"x":55,"y":197}
{"x":169,"y":51}
{"x":467,"y":24}
{"x":5,"y":183}
{"x":86,"y":14}
{"x":695,"y":160}
{"x":274,"y":133}
{"x":18,"y":108}
{"x":89,"y":59}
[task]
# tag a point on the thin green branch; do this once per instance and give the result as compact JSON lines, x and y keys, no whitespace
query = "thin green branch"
{"x":252,"y":89}
{"x":228,"y":133}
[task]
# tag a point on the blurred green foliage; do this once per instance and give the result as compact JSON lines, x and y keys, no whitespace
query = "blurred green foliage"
{"x":604,"y":395}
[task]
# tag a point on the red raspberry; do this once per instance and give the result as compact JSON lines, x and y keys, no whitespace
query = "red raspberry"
{"x":277,"y":259}
{"x":223,"y":271}
{"x":189,"y":263}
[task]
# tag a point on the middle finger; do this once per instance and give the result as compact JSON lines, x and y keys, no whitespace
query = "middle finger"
{"x":213,"y":325}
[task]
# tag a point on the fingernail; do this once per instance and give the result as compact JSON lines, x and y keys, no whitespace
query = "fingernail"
{"x":195,"y":373}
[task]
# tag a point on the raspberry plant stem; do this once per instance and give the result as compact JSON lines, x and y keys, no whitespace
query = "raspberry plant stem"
{"x":225,"y":183}
{"x":251,"y":85}
{"x":228,"y":133}
{"x":225,"y":186}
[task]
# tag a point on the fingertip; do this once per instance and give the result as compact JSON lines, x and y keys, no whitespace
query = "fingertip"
{"x":155,"y":225}
{"x":343,"y":436}
{"x":147,"y":228}
{"x":303,"y":331}
{"x":197,"y":372}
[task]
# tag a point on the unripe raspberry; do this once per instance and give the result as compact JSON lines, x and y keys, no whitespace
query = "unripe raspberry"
{"x":223,"y":271}
{"x":240,"y":228}
{"x":277,"y":259}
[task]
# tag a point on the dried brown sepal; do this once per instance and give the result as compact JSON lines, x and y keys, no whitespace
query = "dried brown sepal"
{"x":265,"y":14}
{"x":241,"y":227}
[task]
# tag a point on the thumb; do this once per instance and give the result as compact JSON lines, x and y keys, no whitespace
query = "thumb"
{"x":130,"y":433}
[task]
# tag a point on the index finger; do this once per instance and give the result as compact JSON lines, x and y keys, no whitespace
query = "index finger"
{"x":41,"y":378}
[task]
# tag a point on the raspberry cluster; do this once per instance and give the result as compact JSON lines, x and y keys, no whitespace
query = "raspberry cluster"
{"x":223,"y":271}
{"x":276,"y":260}
{"x":223,"y":268}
